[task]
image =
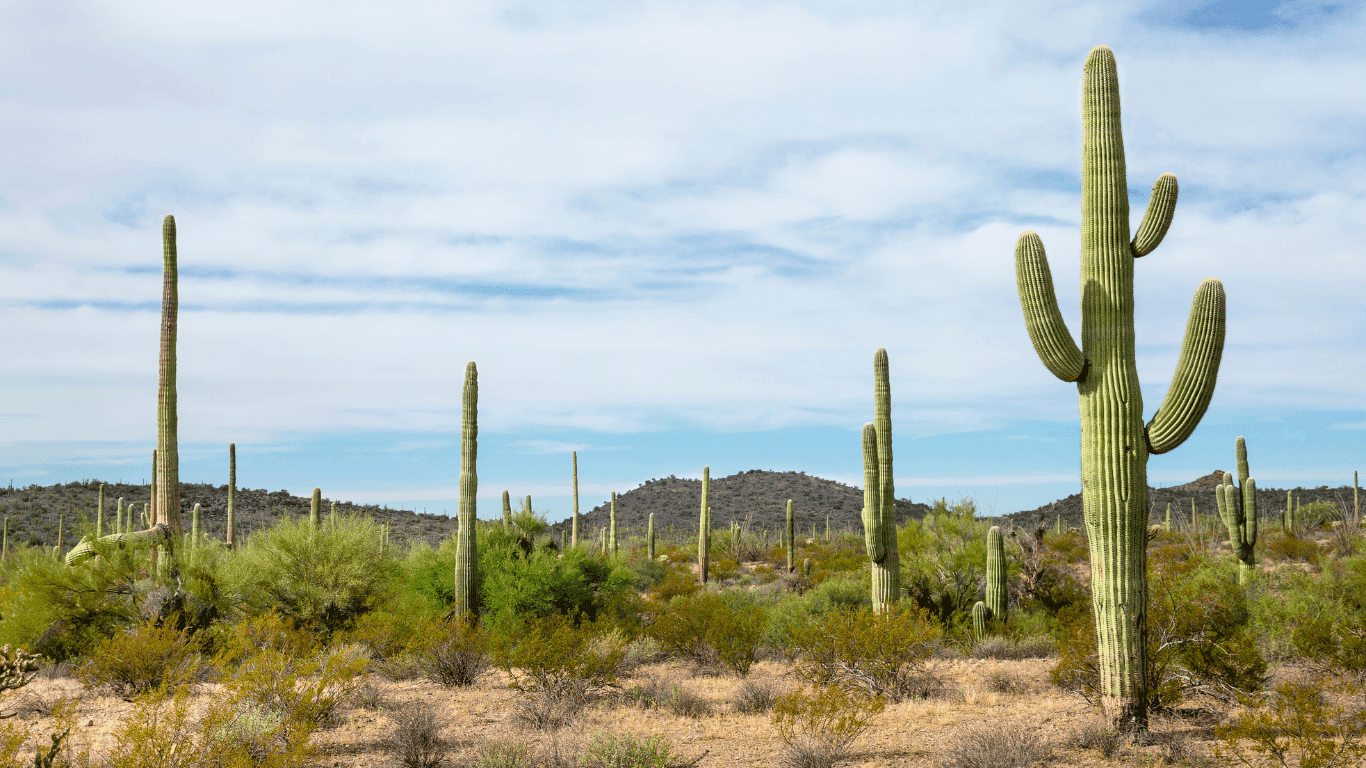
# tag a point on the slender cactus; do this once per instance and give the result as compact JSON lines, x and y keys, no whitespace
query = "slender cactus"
{"x":612,"y":540}
{"x":791,"y":539}
{"x":99,"y":514}
{"x":1195,"y":517}
{"x":980,"y":613}
{"x":650,"y":538}
{"x":1168,"y":524}
{"x":574,"y":529}
{"x":827,"y":528}
{"x":996,"y":573}
{"x":118,"y":516}
{"x":195,"y":523}
{"x":231,"y":536}
{"x":1115,"y":442}
{"x":168,"y":465}
{"x":315,"y":509}
{"x":704,"y":526}
{"x":466,"y":547}
{"x":527,"y":507}
{"x":4,"y":545}
{"x":806,"y":567}
{"x":507,"y":511}
{"x":1356,"y":500}
{"x":879,"y":500}
{"x":602,"y":541}
{"x":332,"y":516}
{"x":1238,"y":509}
{"x":61,"y":518}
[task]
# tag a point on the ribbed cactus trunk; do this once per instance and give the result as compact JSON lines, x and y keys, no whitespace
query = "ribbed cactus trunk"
{"x":4,"y":543}
{"x":466,"y":553}
{"x":1115,"y":443}
{"x":118,"y":515}
{"x":996,"y":574}
{"x":879,"y":496}
{"x":231,"y":536}
{"x":1238,"y":510}
{"x":507,"y":511}
{"x":806,"y":567}
{"x":151,"y":507}
{"x":61,"y":520}
{"x":1195,"y":518}
{"x":574,"y":525}
{"x":195,"y":529}
{"x":526,"y":507}
{"x":1168,"y":524}
{"x":315,"y":509}
{"x":168,"y":452}
{"x":650,"y":538}
{"x":332,"y":516}
{"x":612,"y":530}
{"x":791,"y":538}
{"x":704,"y":526}
{"x":602,"y":541}
{"x":1356,"y":500}
{"x":99,"y":514}
{"x":980,"y":613}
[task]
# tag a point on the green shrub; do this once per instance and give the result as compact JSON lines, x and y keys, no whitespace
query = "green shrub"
{"x":818,"y":727}
{"x":882,"y":655}
{"x":834,"y":594}
{"x":62,"y":612}
{"x":1295,"y":725}
{"x":606,"y":750}
{"x":710,"y":629}
{"x":405,"y":625}
{"x":1329,"y":625}
{"x":555,"y":655}
{"x":677,"y":581}
{"x":1291,"y":548}
{"x":322,"y":580}
{"x":142,"y":658}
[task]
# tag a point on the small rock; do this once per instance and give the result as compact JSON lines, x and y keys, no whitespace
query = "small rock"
{"x":89,"y":723}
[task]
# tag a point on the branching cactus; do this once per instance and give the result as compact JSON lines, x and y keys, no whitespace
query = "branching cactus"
{"x":231,"y":536}
{"x":650,"y":538}
{"x":996,"y":573}
{"x":879,"y":500}
{"x":167,"y":503}
{"x":980,"y":614}
{"x":1238,"y":510}
{"x":704,"y":527}
{"x":1115,"y":441}
{"x":466,"y":552}
{"x":574,"y":529}
{"x":612,"y":529}
{"x":791,"y":539}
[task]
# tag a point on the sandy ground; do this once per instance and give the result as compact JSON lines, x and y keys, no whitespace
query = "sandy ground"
{"x":918,"y":733}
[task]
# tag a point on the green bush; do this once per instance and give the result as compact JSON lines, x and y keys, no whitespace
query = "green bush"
{"x":710,"y":628}
{"x":557,"y":656}
{"x":62,"y":612}
{"x":1296,"y":725}
{"x":322,"y":580}
{"x":881,"y":655}
{"x":834,"y":594}
{"x":1329,"y":625}
{"x":818,"y":727}
{"x":142,"y":658}
{"x":606,"y":750}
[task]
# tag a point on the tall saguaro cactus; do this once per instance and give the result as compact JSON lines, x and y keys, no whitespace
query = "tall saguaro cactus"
{"x":195,"y":526}
{"x":99,"y":514}
{"x":650,"y":538}
{"x":1115,"y":442}
{"x":574,"y":525}
{"x":791,"y":538}
{"x":996,"y":573}
{"x":612,"y":534}
{"x":704,"y":527}
{"x":879,"y":499}
{"x":231,"y":536}
{"x":315,"y":509}
{"x":507,"y":511}
{"x":168,"y":464}
{"x":466,"y":553}
{"x":1238,"y":509}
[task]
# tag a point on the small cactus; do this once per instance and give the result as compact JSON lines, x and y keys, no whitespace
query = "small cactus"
{"x":1288,"y":517}
{"x":466,"y":546}
{"x":118,"y":516}
{"x":1168,"y":525}
{"x":806,"y":567}
{"x":1238,"y":509}
{"x":980,"y":614}
{"x":996,"y":573}
{"x":195,"y":529}
{"x":99,"y":514}
{"x":4,"y":546}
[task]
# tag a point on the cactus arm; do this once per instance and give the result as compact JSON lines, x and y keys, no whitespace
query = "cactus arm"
{"x":157,"y":535}
{"x":1192,"y":385}
{"x":466,"y":547}
{"x":886,"y":578}
{"x":1250,"y":514}
{"x":1158,"y":217}
{"x":872,"y":507}
{"x":1047,"y":330}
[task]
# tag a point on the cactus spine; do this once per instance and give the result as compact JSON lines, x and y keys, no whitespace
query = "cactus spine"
{"x":879,"y":499}
{"x":466,"y":554}
{"x":996,"y":573}
{"x":1115,"y":442}
{"x":167,"y":508}
{"x":315,"y":509}
{"x":704,"y":526}
{"x":791,"y":547}
{"x":979,"y":619}
{"x":231,"y":536}
{"x":574,"y":529}
{"x":1238,"y":509}
{"x":99,"y":514}
{"x":650,"y":538}
{"x":612,"y":535}
{"x":507,"y":511}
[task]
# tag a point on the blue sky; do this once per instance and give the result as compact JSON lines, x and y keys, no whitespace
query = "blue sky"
{"x":670,"y":234}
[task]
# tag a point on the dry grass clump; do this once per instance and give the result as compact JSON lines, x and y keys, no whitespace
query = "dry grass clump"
{"x":997,"y":745}
{"x":996,"y":647}
{"x":756,"y":696}
{"x":1003,"y":682}
{"x":1098,"y":736}
{"x":685,"y":703}
{"x":460,"y":659}
{"x":548,"y":710}
{"x":416,"y":738}
{"x":367,"y":697}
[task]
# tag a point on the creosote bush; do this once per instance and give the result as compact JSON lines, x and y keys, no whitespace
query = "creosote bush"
{"x":817,"y":727}
{"x":710,"y":629}
{"x":556,"y":655}
{"x":142,"y":658}
{"x":882,"y":655}
{"x":755,"y":697}
{"x":996,"y":745}
{"x":1296,"y":725}
{"x":459,"y":656}
{"x":415,"y":738}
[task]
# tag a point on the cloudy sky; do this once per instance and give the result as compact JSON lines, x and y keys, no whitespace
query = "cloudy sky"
{"x":669,"y":233}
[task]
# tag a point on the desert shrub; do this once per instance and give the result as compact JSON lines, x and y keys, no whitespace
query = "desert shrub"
{"x":834,"y":594}
{"x":685,"y":703}
{"x":677,"y":581}
{"x":267,"y":631}
{"x":606,"y":750}
{"x":756,"y":696}
{"x":63,"y":613}
{"x":1291,"y":547}
{"x":653,"y":693}
{"x":368,"y":697}
{"x":1097,"y":735}
{"x":996,"y":745}
{"x":1295,"y":725}
{"x":322,"y":580}
{"x":17,"y":668}
{"x":406,"y":625}
{"x":415,"y":738}
{"x":548,"y":710}
{"x":1071,"y":547}
{"x":504,"y":754}
{"x":555,"y":655}
{"x":996,"y":647}
{"x":142,"y":658}
{"x":709,"y":628}
{"x":1002,"y":681}
{"x":460,"y":656}
{"x":881,"y":655}
{"x":817,"y":727}
{"x":1328,"y":616}
{"x":943,"y":557}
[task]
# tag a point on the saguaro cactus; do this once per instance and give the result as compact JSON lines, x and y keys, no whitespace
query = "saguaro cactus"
{"x":168,"y":464}
{"x":996,"y":573}
{"x":980,"y":614}
{"x":315,"y":509}
{"x":879,"y":499}
{"x":612,"y":534}
{"x":1356,"y":499}
{"x":507,"y":511}
{"x":466,"y":552}
{"x":99,"y":514}
{"x":1288,"y":519}
{"x":1238,"y":510}
{"x":791,"y":540}
{"x":704,"y":526}
{"x":527,"y":506}
{"x":4,"y":543}
{"x":157,"y":536}
{"x":650,"y":538}
{"x":1168,"y":524}
{"x":806,"y":567}
{"x":231,"y":536}
{"x":574,"y":526}
{"x":1115,"y":442}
